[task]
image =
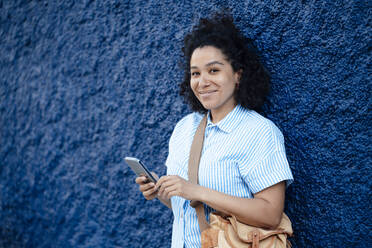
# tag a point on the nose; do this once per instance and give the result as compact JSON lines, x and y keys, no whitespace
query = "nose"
{"x":204,"y":80}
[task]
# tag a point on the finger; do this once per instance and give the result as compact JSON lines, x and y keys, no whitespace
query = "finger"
{"x":164,"y":183}
{"x":148,"y":193}
{"x":174,"y":186}
{"x":170,"y":191}
{"x":161,"y":180}
{"x":147,"y":186}
{"x":164,"y":179}
{"x":161,"y":193}
{"x":162,"y":188}
{"x":150,"y":197}
{"x":141,"y":180}
{"x":168,"y":186}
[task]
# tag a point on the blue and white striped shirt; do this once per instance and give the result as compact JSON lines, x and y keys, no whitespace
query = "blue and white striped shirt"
{"x":242,"y":154}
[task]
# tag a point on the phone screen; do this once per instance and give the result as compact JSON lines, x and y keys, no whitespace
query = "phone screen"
{"x":139,"y":168}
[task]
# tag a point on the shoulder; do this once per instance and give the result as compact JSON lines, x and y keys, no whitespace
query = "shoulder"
{"x":259,"y":127}
{"x":186,"y":126}
{"x":261,"y":122}
{"x":189,"y":120}
{"x":255,"y":121}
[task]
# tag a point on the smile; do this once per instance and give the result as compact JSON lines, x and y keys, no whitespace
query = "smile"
{"x":207,"y":93}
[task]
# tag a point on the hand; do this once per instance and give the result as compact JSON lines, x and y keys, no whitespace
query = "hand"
{"x":147,"y":187}
{"x":169,"y":186}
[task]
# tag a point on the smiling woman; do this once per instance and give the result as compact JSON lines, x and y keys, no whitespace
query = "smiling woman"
{"x":213,"y":81}
{"x":240,"y":53}
{"x":243,"y":168}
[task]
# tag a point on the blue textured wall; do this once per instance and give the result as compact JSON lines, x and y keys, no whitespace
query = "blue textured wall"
{"x":84,"y":85}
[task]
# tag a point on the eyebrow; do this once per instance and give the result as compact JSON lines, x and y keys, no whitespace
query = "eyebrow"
{"x":209,"y":64}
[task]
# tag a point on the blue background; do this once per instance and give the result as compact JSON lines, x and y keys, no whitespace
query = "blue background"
{"x":83,"y":85}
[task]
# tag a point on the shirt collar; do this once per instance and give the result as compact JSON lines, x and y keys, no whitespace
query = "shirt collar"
{"x":230,"y":121}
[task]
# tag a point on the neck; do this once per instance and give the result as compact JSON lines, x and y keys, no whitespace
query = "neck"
{"x":218,"y":114}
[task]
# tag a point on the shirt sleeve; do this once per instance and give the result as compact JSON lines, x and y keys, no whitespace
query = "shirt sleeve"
{"x":269,"y":171}
{"x":269,"y":165}
{"x":171,"y":162}
{"x":170,"y":157}
{"x":176,"y":144}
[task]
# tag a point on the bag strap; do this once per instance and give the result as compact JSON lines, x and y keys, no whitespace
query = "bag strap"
{"x":193,"y":170}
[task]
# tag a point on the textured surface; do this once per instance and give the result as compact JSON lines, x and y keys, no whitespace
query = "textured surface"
{"x":83,"y":85}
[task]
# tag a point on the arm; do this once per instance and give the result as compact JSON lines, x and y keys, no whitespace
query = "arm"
{"x":264,"y":210}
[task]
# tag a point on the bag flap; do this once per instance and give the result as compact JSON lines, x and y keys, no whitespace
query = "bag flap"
{"x":246,"y":232}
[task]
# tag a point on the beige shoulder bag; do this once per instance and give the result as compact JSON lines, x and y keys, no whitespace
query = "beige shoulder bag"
{"x":228,"y":232}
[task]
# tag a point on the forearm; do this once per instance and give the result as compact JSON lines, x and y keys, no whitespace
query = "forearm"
{"x":265,"y":210}
{"x":257,"y":211}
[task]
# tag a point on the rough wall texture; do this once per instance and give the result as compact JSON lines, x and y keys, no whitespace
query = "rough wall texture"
{"x":84,"y":84}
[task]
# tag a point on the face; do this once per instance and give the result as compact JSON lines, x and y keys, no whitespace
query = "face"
{"x":213,"y":80}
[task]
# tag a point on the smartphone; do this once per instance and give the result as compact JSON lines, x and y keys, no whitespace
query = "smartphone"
{"x":139,"y":168}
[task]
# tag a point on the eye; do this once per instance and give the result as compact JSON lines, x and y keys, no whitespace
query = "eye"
{"x":194,"y":73}
{"x":213,"y":70}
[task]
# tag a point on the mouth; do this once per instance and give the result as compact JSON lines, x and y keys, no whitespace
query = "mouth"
{"x":207,"y":93}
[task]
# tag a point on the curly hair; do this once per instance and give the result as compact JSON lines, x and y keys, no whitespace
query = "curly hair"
{"x":220,"y":32}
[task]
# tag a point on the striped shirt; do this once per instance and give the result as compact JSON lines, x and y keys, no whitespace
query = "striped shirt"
{"x":242,"y":155}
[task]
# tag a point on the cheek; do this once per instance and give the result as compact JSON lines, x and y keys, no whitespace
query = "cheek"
{"x":193,"y":85}
{"x":229,"y":88}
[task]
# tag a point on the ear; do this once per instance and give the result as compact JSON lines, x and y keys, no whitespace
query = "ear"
{"x":238,"y":75}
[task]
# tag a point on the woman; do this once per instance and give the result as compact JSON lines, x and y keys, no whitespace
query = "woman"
{"x":243,"y":169}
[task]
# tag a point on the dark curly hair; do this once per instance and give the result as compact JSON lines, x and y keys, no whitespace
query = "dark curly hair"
{"x":220,"y":32}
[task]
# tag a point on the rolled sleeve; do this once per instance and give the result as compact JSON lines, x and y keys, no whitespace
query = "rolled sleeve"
{"x":270,"y":171}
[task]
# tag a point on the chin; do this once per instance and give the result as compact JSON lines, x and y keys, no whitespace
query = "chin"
{"x":207,"y":106}
{"x":209,"y":103}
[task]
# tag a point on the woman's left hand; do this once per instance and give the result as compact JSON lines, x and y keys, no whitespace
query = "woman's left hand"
{"x":169,"y":186}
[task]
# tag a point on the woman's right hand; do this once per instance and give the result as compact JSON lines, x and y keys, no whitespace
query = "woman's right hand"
{"x":147,"y":187}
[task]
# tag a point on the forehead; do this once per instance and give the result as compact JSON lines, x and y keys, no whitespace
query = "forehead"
{"x":206,"y":54}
